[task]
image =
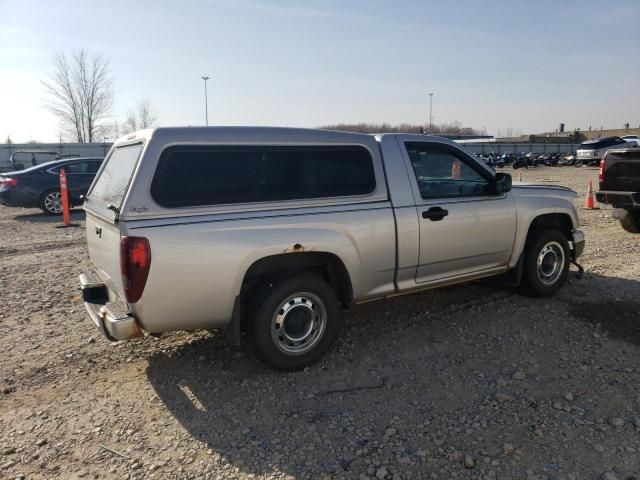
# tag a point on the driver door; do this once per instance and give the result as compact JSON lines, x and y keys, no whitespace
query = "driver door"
{"x":466,"y":230}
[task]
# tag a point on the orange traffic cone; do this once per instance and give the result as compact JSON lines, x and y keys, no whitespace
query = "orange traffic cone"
{"x":589,"y":202}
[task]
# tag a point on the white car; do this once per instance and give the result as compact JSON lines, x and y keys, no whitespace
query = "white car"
{"x":592,"y":151}
{"x":632,"y":138}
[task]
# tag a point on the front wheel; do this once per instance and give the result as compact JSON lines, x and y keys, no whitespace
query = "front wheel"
{"x":294,"y":320}
{"x":546,"y":263}
{"x":631,"y":222}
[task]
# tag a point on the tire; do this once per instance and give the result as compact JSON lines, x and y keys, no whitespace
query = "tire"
{"x":551,"y":248}
{"x":631,"y":222}
{"x":48,"y":203}
{"x":293,"y":320}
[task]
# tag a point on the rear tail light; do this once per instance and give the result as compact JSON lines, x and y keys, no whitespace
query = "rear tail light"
{"x":601,"y":173}
{"x":135,"y":261}
{"x":8,"y":182}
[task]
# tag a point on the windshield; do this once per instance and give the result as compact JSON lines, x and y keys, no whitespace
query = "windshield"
{"x":113,"y":181}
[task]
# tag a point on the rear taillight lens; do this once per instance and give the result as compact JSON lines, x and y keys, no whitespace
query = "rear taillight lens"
{"x":8,"y":182}
{"x":135,"y":261}
{"x":601,"y":173}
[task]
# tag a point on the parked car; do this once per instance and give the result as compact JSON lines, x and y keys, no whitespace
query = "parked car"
{"x":39,"y":186}
{"x":619,"y":186}
{"x":592,"y":151}
{"x":635,"y":139}
{"x":270,"y":232}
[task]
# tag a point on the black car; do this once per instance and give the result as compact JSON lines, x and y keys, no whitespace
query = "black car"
{"x":39,"y":186}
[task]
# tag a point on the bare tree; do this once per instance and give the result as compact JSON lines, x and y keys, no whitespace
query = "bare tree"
{"x":8,"y":141}
{"x":80,"y":93}
{"x":144,"y":116}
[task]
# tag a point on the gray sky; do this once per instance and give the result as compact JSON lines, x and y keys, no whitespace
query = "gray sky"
{"x":501,"y":64}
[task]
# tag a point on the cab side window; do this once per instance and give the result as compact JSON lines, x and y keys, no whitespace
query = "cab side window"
{"x":94,"y":166}
{"x":78,"y":167}
{"x":441,"y":172}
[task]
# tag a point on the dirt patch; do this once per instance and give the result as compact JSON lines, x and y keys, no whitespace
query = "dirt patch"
{"x":620,"y":319}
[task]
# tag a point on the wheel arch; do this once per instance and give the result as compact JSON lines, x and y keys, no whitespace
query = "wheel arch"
{"x":329,"y":265}
{"x":557,"y":221}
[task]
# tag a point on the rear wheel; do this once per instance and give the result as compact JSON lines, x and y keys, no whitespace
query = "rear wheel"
{"x":631,"y":222}
{"x":294,"y":320}
{"x":51,"y":202}
{"x":546,"y":263}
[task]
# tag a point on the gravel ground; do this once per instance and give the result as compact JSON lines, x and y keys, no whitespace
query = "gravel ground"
{"x":472,"y":381}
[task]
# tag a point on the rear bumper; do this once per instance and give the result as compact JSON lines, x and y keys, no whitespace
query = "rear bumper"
{"x":112,"y":318}
{"x":629,"y":200}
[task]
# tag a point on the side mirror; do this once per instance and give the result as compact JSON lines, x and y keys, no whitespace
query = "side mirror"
{"x":501,"y":183}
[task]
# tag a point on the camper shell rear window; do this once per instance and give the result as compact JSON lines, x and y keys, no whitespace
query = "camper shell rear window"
{"x":113,"y":181}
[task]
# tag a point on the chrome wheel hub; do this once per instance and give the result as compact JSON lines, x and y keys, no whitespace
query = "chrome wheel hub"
{"x":550,"y":263}
{"x":299,"y":323}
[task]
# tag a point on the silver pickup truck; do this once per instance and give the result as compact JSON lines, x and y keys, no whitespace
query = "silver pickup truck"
{"x":271,"y":232}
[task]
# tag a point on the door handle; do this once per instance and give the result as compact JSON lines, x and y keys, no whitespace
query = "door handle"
{"x":435,"y":214}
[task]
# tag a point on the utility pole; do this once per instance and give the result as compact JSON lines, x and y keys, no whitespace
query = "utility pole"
{"x":430,"y":113}
{"x":206,"y":102}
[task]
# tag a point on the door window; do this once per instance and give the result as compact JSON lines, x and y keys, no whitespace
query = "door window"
{"x":78,"y":168}
{"x":441,"y":172}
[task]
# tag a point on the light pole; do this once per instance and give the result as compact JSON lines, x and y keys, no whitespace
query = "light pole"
{"x":430,"y":113}
{"x":206,"y":102}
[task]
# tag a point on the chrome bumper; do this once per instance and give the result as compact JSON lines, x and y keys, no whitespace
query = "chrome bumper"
{"x":112,"y":318}
{"x":578,"y":243}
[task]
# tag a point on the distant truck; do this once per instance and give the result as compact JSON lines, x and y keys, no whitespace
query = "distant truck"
{"x":270,"y":232}
{"x":620,"y":186}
